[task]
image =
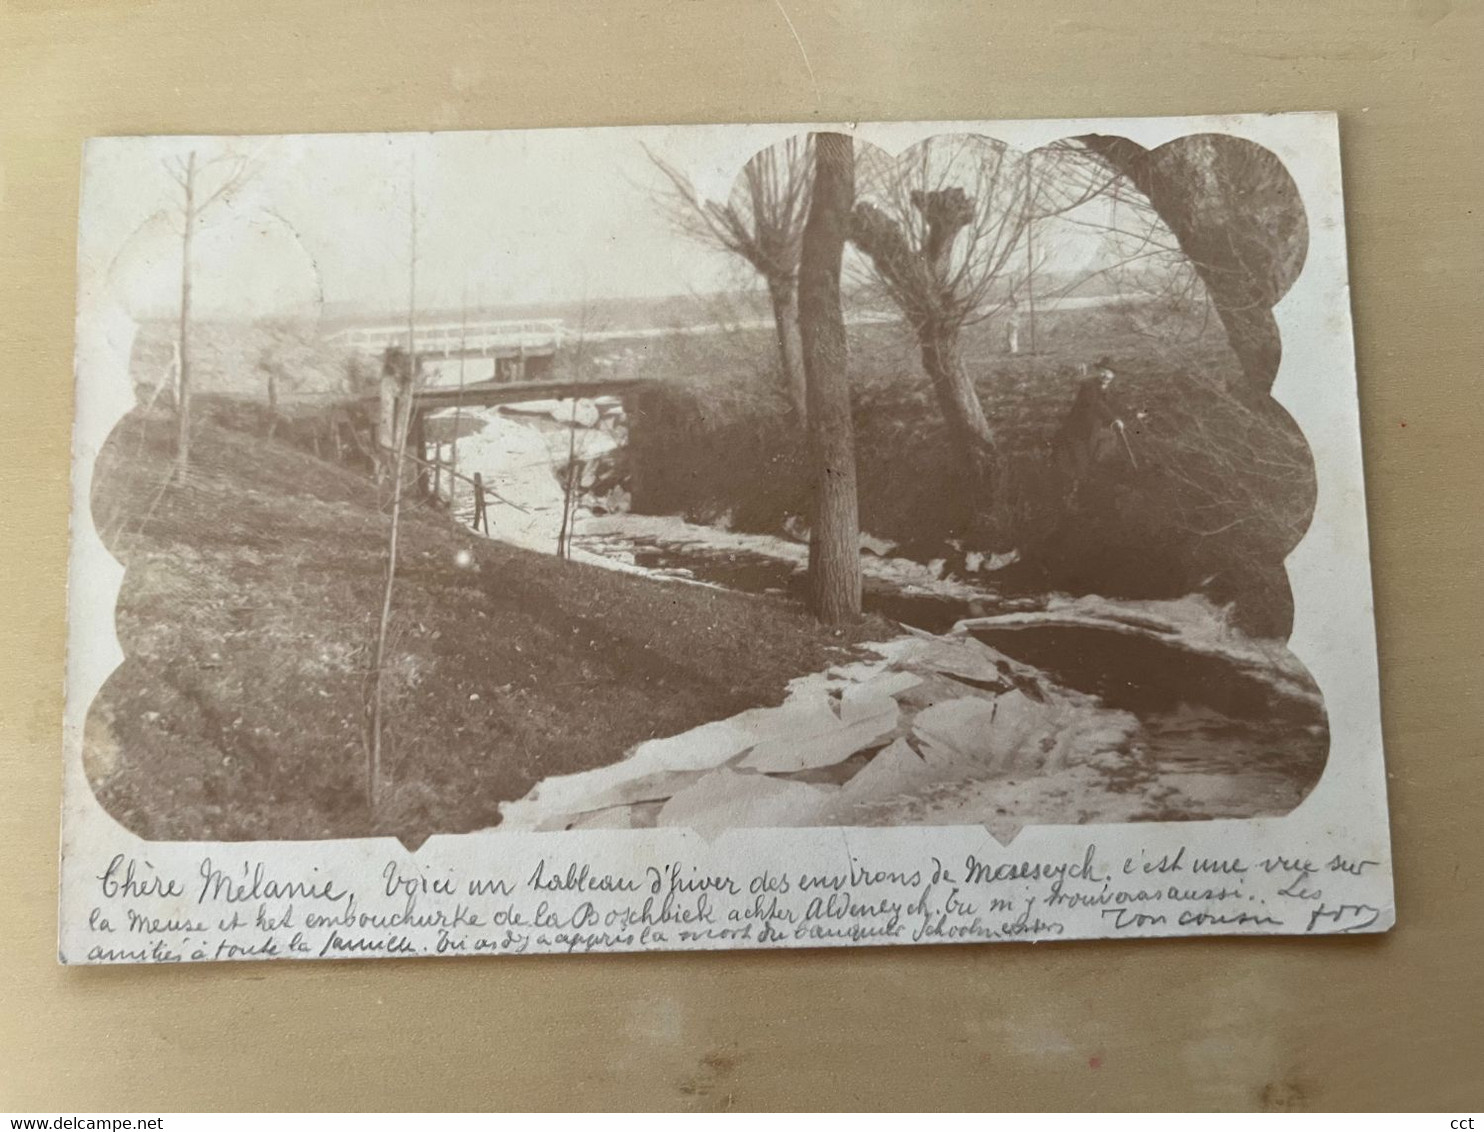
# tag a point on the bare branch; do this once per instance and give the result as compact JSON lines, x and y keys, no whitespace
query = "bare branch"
{"x":941,"y":224}
{"x":238,"y":175}
{"x":762,"y":221}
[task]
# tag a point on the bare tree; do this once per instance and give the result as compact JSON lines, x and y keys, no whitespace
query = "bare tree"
{"x":202,"y":184}
{"x":834,"y":535}
{"x":458,"y":410}
{"x":1238,"y":219}
{"x":940,"y":227}
{"x":947,"y":229}
{"x":403,"y":424}
{"x":762,"y":222}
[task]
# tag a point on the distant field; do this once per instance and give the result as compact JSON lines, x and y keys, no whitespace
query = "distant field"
{"x":234,"y":358}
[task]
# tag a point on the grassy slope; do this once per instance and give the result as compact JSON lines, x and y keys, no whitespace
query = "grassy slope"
{"x":247,"y":614}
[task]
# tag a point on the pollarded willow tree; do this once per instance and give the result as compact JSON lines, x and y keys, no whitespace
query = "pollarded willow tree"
{"x":946,"y":230}
{"x":762,"y":223}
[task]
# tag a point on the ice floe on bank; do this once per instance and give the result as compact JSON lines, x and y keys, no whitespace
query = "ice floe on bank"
{"x":923,"y":729}
{"x":927,"y":730}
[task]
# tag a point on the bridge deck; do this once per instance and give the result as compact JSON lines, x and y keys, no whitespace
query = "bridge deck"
{"x":482,"y":339}
{"x":487,"y":393}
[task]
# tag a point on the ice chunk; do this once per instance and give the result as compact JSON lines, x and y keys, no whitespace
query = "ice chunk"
{"x":895,"y":770}
{"x":862,"y":722}
{"x":984,"y":731}
{"x":727,"y":799}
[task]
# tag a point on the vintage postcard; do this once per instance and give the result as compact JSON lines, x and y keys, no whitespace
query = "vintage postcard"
{"x":717,"y":537}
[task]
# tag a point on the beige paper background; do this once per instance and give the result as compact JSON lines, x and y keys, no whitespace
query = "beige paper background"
{"x":1388,"y":1021}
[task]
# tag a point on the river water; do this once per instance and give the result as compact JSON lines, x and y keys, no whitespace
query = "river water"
{"x":1215,"y":740}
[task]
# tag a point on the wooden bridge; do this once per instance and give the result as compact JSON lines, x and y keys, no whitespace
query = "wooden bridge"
{"x":486,"y":338}
{"x":519,"y":348}
{"x":509,"y":361}
{"x":484,"y":394}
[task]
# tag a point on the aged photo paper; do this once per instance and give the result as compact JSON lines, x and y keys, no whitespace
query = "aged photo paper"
{"x":734,"y":536}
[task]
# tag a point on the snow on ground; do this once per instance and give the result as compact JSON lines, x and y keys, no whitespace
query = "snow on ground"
{"x":520,"y":451}
{"x":1192,"y":623}
{"x":927,"y":730}
{"x":671,"y":530}
{"x":932,"y":730}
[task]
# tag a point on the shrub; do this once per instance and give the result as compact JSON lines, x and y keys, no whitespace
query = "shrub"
{"x":1207,"y":489}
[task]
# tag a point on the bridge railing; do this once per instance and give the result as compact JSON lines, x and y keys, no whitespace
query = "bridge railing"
{"x":452,"y":339}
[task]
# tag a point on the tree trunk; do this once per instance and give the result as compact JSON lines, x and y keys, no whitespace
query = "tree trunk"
{"x":1246,"y":314}
{"x":402,"y":412}
{"x":383,"y":625}
{"x":784,"y":296}
{"x":834,"y":538}
{"x":968,"y":431}
{"x":183,"y":401}
{"x":920,"y":281}
{"x":418,"y":440}
{"x":458,"y":410}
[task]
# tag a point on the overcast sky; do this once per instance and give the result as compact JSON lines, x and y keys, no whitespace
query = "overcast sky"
{"x":513,"y":217}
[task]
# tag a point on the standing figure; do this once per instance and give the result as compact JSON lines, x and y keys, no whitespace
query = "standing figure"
{"x":481,"y":509}
{"x":1090,"y":431}
{"x":1012,"y":326}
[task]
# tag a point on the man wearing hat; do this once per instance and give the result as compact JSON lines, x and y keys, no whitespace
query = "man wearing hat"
{"x":1087,"y":435}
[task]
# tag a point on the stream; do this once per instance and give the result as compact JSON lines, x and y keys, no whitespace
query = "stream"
{"x":1215,"y":739}
{"x":754,"y":573}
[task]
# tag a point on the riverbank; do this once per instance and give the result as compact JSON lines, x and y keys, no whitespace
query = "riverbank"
{"x":1134,"y":709}
{"x":246,"y":618}
{"x":1204,"y":485}
{"x":942,"y":730}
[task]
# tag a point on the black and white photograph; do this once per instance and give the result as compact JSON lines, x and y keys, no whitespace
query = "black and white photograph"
{"x":633,"y":556}
{"x":744,"y":479}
